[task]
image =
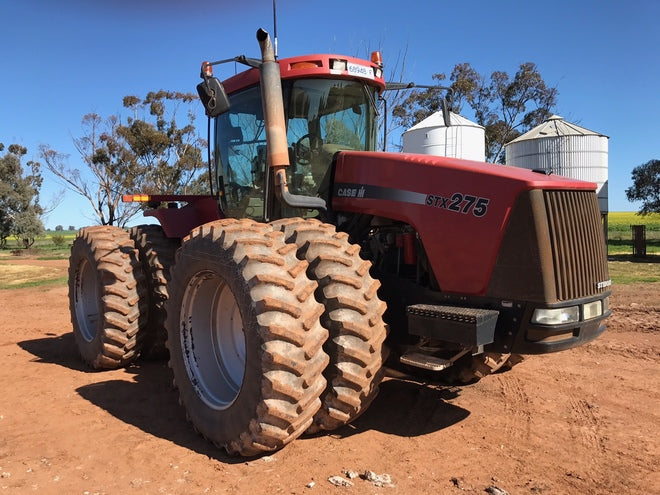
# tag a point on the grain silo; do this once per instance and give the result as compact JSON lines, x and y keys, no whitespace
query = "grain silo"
{"x":463,"y":139}
{"x":562,"y":148}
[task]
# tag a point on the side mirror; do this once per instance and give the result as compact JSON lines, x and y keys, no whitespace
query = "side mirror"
{"x":446,"y":112}
{"x":213,"y":96}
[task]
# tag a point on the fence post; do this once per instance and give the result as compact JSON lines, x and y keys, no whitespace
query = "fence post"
{"x":638,"y":240}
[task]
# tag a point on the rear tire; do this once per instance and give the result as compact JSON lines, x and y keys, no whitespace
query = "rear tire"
{"x":244,"y":337}
{"x":156,"y":253}
{"x":106,"y":297}
{"x":353,"y":316}
{"x":487,"y":363}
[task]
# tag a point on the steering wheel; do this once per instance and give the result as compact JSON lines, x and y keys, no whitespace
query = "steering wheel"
{"x":302,"y":152}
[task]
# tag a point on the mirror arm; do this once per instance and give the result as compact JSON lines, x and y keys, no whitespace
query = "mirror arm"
{"x":445,"y":103}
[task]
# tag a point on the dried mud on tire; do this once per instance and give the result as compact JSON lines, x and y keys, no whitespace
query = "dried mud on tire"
{"x":244,"y":337}
{"x":353,"y":316}
{"x":156,"y":255}
{"x":106,"y":296}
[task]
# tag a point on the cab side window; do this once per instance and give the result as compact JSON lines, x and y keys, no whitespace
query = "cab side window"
{"x":241,"y":144}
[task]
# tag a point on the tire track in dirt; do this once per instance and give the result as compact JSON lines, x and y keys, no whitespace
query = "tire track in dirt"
{"x":630,"y":350}
{"x":518,"y":416}
{"x":632,"y":333}
{"x":585,"y":425}
{"x":634,"y":319}
{"x":583,"y":421}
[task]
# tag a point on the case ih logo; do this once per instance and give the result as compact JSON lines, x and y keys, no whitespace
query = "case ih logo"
{"x":351,"y":192}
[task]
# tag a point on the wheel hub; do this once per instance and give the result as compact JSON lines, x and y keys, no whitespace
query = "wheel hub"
{"x":86,"y":300}
{"x":212,"y":340}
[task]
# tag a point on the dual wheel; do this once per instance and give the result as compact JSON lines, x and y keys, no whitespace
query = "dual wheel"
{"x":118,"y":283}
{"x":273,"y":330}
{"x":107,"y":297}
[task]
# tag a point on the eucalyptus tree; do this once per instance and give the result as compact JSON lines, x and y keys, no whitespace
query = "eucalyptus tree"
{"x":147,"y":151}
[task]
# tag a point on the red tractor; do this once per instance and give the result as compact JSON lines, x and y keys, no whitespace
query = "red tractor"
{"x":277,"y":294}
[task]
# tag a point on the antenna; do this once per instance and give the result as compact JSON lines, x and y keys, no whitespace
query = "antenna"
{"x":275,"y":27}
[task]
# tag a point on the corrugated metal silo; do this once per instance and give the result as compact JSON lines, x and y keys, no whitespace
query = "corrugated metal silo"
{"x":463,"y":139}
{"x":564,"y":149}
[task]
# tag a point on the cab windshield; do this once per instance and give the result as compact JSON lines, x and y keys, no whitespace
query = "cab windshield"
{"x":323,"y":116}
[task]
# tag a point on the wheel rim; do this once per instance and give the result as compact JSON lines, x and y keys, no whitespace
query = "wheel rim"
{"x":212,"y":340}
{"x":86,"y":300}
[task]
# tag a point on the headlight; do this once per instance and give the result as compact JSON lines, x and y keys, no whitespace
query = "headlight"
{"x":556,"y":316}
{"x":593,"y":309}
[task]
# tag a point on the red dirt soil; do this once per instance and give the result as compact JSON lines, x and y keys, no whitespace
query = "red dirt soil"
{"x":581,"y":421}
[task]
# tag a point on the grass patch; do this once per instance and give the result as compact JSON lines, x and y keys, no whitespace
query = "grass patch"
{"x":38,"y":283}
{"x":20,"y":276}
{"x":628,"y":271}
{"x":52,"y":246}
{"x":618,"y":246}
{"x":57,"y":256}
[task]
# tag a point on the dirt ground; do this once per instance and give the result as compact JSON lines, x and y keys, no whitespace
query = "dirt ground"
{"x":581,"y":421}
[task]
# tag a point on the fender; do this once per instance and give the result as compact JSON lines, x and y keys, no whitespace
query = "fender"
{"x":178,"y":222}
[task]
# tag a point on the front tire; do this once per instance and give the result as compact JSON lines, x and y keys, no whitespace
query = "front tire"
{"x":353,"y":316}
{"x":244,"y":337}
{"x":106,"y":297}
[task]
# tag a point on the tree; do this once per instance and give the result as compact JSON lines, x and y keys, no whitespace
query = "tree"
{"x":28,"y":226}
{"x":646,"y":187}
{"x":19,"y":197}
{"x":505,"y":107}
{"x":147,"y":152}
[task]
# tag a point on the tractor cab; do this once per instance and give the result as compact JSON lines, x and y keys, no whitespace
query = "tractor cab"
{"x":329,"y":106}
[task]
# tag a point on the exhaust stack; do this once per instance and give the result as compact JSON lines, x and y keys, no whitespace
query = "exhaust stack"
{"x":271,"y":94}
{"x":277,"y":148}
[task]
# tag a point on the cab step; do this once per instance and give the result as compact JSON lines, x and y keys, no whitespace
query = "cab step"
{"x":425,"y":361}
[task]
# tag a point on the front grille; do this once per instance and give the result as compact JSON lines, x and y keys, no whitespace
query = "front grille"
{"x":578,"y":245}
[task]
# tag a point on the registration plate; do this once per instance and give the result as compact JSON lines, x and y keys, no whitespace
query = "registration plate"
{"x":360,"y":70}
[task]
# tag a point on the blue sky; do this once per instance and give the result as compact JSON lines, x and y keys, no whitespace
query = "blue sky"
{"x":64,"y":59}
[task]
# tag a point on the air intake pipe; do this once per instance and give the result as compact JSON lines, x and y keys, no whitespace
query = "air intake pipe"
{"x":277,"y":148}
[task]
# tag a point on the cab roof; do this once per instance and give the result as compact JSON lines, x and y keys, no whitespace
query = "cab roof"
{"x":315,"y":66}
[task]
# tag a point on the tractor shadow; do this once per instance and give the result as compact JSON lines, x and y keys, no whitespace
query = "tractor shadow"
{"x":143,"y":396}
{"x":648,"y":258}
{"x":55,"y":349}
{"x":408,"y":408}
{"x":149,"y":402}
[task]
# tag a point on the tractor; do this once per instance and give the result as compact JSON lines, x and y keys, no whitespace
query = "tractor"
{"x":316,"y":262}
